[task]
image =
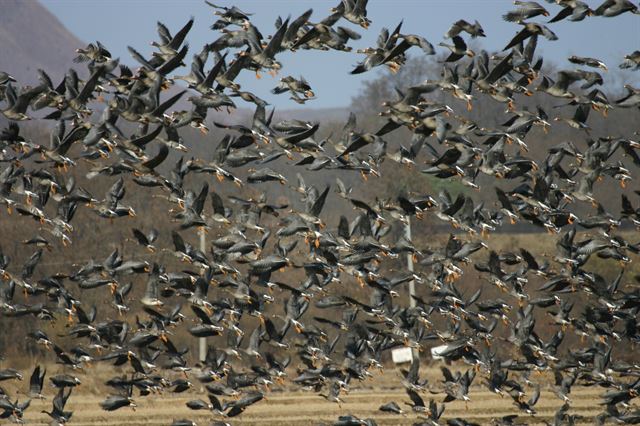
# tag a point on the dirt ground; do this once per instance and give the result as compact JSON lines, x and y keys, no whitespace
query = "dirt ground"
{"x":296,"y":407}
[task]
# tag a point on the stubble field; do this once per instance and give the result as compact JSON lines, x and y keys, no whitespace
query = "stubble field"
{"x":296,"y":407}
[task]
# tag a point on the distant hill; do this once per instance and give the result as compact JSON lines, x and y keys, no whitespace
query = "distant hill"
{"x":244,"y":114}
{"x":31,"y":38}
{"x":324,"y":115}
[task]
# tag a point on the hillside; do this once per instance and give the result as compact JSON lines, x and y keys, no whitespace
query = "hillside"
{"x":31,"y":38}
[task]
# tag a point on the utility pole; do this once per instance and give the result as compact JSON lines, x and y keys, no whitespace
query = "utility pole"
{"x":412,"y":283}
{"x":202,"y":342}
{"x":415,"y":354}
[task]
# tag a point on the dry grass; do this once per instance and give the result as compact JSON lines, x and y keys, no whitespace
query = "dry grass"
{"x":295,"y":407}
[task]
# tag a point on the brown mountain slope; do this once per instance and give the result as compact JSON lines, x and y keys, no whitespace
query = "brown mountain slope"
{"x":31,"y":38}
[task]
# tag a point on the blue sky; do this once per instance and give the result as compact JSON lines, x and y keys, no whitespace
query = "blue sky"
{"x":118,"y":23}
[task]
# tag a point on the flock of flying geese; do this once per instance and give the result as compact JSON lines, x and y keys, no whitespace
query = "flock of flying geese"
{"x":240,"y":273}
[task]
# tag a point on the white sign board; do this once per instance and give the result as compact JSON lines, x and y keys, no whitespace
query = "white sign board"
{"x":401,"y":355}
